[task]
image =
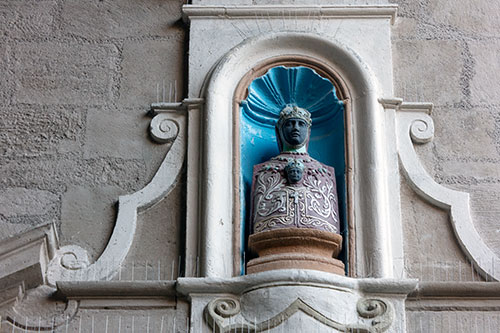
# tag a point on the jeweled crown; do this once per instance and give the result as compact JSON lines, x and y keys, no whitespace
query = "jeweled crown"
{"x":293,"y":112}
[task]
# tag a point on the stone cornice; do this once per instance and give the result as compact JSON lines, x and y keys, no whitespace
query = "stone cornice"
{"x":290,"y":12}
{"x":456,"y":290}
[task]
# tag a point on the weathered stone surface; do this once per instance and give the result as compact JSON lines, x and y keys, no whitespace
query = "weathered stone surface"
{"x":404,"y":28}
{"x":119,"y":19}
{"x":410,"y":8}
{"x":9,"y":230}
{"x":464,"y":133}
{"x":485,"y":86}
{"x":34,"y":130}
{"x":89,"y":215}
{"x":451,"y":321}
{"x":64,"y":73}
{"x":106,"y":130}
{"x":56,"y":174}
{"x":477,"y":17}
{"x":146,"y":76}
{"x":158,"y":243}
{"x":428,"y":71}
{"x":431,"y":250}
{"x":13,"y":202}
{"x":485,"y":196}
{"x":27,"y":18}
{"x":6,"y":81}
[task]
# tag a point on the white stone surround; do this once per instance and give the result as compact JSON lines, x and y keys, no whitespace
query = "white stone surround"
{"x":350,"y":39}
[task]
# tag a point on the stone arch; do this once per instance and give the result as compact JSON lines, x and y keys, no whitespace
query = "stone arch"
{"x":370,"y":189}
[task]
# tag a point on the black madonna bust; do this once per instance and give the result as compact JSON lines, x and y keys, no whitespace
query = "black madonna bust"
{"x":294,"y":213}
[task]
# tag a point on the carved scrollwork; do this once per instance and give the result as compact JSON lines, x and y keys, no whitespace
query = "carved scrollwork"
{"x":415,"y":125}
{"x":422,"y":129}
{"x":219,"y":309}
{"x":218,"y":315}
{"x":163,"y":129}
{"x":378,"y":310}
{"x":71,"y":262}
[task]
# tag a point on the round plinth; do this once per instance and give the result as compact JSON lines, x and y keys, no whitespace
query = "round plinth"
{"x":295,"y":248}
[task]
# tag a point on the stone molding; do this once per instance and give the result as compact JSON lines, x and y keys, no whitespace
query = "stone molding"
{"x":24,"y":258}
{"x":221,"y":310}
{"x":71,"y":262}
{"x":480,"y":290}
{"x":414,"y":125}
{"x":367,"y":305}
{"x":191,"y":12}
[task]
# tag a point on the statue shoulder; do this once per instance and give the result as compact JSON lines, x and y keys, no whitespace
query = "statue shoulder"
{"x":316,"y":167}
{"x":273,"y":165}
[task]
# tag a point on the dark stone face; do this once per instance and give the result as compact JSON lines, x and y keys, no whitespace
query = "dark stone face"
{"x":294,"y":175}
{"x":295,"y":131}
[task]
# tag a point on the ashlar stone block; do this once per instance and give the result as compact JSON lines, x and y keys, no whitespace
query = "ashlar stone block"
{"x":120,"y":19}
{"x":57,"y":174}
{"x":479,"y":17}
{"x":35,"y":130}
{"x":27,"y":19}
{"x":485,"y":86}
{"x":14,"y":202}
{"x":428,"y":71}
{"x":464,"y":133}
{"x":64,"y":73}
{"x":152,"y":71}
{"x":106,"y":130}
{"x":88,"y":215}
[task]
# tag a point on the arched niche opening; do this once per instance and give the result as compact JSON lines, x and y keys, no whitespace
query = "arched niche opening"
{"x":219,"y":216}
{"x":259,"y":97}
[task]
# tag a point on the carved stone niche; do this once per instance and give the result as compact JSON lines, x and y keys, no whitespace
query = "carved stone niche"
{"x":374,"y":210}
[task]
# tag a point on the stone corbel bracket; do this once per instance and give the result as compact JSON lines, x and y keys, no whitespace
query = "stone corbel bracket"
{"x":71,"y":262}
{"x":414,"y":125}
{"x":224,"y":315}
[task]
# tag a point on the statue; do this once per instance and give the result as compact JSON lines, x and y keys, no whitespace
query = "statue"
{"x":293,"y":190}
{"x":294,"y":211}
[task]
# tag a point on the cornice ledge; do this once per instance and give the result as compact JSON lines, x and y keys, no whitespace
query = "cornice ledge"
{"x":190,"y":12}
{"x":24,"y":257}
{"x":399,"y":105}
{"x":85,"y":289}
{"x":241,"y":284}
{"x":450,"y":289}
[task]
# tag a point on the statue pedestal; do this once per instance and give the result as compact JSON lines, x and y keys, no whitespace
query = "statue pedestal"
{"x":295,"y":248}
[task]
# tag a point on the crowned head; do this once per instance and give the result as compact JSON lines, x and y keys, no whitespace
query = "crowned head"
{"x":293,"y":128}
{"x":294,"y":170}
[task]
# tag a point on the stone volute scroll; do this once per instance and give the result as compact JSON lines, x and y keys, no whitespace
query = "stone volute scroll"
{"x":294,"y":209}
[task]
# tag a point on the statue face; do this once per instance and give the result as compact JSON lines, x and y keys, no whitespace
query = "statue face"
{"x":295,"y":131}
{"x":294,"y":175}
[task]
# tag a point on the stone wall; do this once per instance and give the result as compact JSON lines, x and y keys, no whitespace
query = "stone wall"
{"x":445,"y":53}
{"x":77,"y":78}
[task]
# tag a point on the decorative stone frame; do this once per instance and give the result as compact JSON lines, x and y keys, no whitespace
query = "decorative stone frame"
{"x":381,"y":141}
{"x":370,"y":194}
{"x":342,"y":94}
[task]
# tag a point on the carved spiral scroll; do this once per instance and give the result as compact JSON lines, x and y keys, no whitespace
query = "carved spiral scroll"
{"x":381,"y":312}
{"x":219,"y":311}
{"x":422,"y":129}
{"x":163,"y":129}
{"x":226,"y":307}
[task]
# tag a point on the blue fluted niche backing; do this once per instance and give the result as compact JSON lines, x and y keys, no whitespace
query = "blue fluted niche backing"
{"x":267,"y":96}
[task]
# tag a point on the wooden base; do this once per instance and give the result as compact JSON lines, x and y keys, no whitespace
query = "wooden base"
{"x":296,"y":248}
